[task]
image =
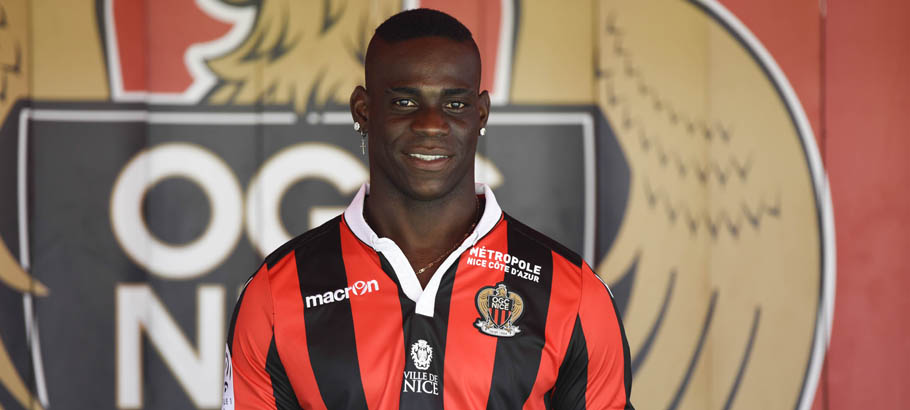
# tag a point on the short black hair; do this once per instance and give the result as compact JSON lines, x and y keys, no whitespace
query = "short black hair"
{"x":417,"y":23}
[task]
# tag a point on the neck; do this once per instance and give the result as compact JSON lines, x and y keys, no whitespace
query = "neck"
{"x":424,"y":230}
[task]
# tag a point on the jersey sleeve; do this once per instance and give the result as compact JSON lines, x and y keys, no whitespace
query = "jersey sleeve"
{"x":596,"y":372}
{"x":250,"y":348}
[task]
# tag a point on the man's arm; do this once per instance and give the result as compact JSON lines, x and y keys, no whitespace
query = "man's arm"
{"x":254,"y":377}
{"x":596,"y":372}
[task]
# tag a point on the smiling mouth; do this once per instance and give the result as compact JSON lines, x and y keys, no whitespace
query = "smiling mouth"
{"x":427,"y":157}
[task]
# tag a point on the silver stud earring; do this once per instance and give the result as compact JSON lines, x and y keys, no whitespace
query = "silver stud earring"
{"x":483,"y":131}
{"x":356,"y":126}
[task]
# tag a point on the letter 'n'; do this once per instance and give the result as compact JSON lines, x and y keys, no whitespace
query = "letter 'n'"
{"x":196,"y":368}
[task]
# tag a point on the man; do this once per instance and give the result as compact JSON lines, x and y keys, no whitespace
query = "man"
{"x":424,"y":294}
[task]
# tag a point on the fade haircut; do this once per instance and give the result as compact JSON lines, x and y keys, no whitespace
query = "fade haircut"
{"x":419,"y":23}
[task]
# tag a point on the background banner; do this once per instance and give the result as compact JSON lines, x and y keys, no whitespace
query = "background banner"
{"x":153,"y":152}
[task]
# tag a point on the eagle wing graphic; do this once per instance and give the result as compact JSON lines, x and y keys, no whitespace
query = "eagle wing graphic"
{"x":518,"y":307}
{"x":13,"y":276}
{"x":300,"y":53}
{"x":483,"y":303}
{"x":716,"y":260}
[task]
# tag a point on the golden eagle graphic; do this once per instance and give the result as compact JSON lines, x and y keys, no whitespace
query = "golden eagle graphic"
{"x":720,"y":262}
{"x":300,"y":53}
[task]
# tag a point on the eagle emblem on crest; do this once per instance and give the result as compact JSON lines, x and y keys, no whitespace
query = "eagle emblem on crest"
{"x":499,"y":310}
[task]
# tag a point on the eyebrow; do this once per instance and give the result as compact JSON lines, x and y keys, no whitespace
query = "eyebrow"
{"x":413,"y":91}
{"x":455,"y":91}
{"x":403,"y":90}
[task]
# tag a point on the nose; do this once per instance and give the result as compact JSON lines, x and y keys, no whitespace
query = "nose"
{"x":430,"y":122}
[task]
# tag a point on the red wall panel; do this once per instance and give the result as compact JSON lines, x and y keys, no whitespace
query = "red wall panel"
{"x":868,"y":102}
{"x":850,"y":72}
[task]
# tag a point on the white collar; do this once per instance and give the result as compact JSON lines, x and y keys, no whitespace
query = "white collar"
{"x":424,"y":298}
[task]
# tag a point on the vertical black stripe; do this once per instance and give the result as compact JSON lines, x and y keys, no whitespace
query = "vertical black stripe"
{"x":441,"y":319}
{"x":285,"y":399}
{"x":330,"y":325}
{"x":407,"y":312}
{"x":572,"y":381}
{"x":433,"y":331}
{"x":407,"y":305}
{"x":518,"y":357}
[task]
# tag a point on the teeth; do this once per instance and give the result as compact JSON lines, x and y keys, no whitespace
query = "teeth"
{"x":424,"y":157}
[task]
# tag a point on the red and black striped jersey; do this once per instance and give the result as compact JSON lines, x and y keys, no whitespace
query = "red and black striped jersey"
{"x":336,"y":319}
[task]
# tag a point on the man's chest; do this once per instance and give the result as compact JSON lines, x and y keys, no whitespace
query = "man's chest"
{"x":492,"y":337}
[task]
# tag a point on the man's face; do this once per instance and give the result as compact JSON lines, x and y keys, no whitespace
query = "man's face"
{"x":423,"y":114}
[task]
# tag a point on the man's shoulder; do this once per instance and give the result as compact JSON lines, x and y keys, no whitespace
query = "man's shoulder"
{"x":303,"y":243}
{"x":517,"y":227}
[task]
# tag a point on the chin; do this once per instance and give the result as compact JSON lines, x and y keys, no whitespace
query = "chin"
{"x":429,"y":190}
{"x":429,"y":186}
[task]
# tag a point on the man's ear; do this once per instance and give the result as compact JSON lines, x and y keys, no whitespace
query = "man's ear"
{"x":483,"y":106}
{"x":360,"y":103}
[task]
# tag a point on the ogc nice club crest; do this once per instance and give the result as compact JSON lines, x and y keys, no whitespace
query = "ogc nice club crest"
{"x":499,"y":310}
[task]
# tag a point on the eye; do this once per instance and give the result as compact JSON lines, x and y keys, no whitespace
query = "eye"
{"x":456,"y":105}
{"x":404,"y":103}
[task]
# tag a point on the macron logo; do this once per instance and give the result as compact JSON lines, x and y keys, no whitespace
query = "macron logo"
{"x":360,"y":288}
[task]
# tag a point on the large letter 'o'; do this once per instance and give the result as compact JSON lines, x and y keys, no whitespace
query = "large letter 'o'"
{"x":198,"y":165}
